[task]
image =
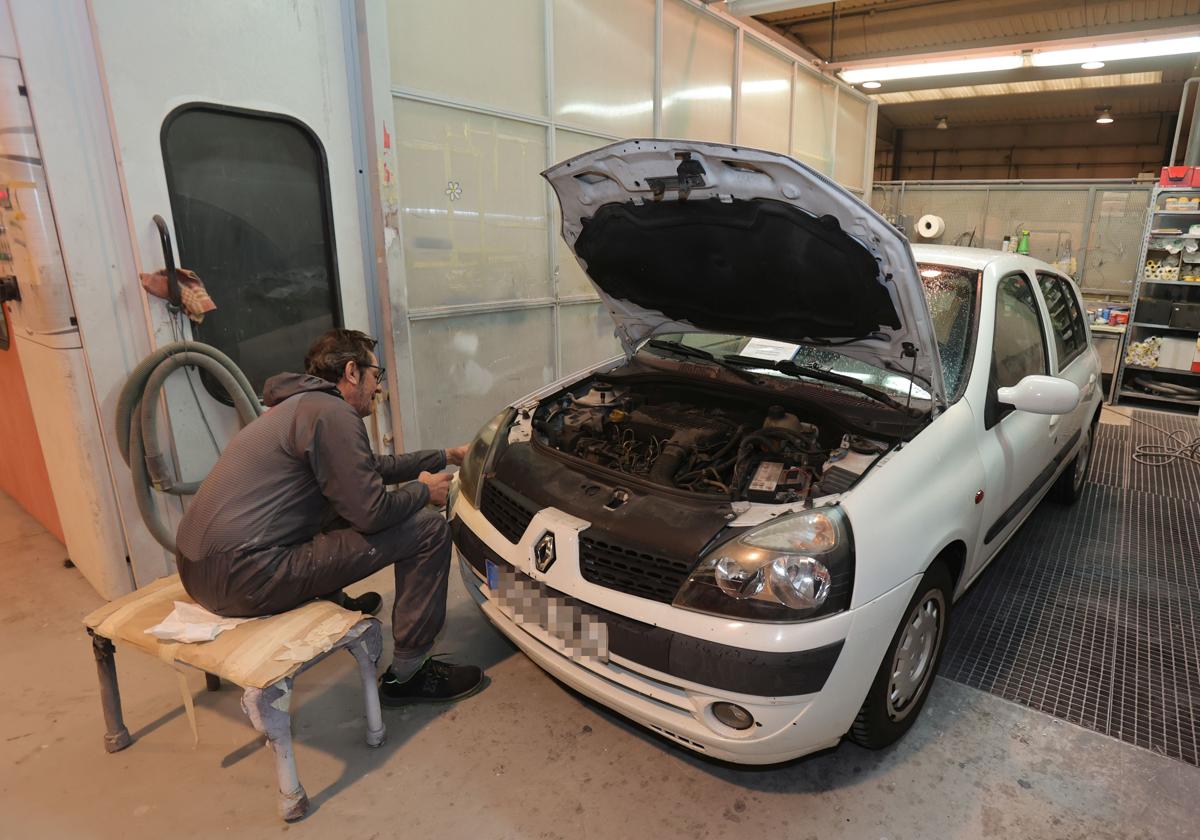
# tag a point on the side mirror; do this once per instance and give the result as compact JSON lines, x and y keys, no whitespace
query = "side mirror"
{"x":1041,"y":395}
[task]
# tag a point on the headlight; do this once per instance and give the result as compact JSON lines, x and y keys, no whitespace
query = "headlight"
{"x":794,"y":568}
{"x":479,"y":454}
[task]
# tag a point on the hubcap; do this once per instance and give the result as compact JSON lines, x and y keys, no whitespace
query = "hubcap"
{"x":912,"y":666}
{"x":1081,"y":460}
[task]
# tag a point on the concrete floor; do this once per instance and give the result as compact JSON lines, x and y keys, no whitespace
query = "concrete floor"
{"x":524,"y":759}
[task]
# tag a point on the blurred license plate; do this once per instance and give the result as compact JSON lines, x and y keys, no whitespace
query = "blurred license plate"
{"x":573,"y":631}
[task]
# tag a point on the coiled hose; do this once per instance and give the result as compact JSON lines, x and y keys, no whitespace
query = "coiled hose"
{"x":137,"y":422}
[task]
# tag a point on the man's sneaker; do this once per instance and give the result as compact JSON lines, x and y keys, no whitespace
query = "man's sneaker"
{"x":368,"y":602}
{"x":434,"y":682}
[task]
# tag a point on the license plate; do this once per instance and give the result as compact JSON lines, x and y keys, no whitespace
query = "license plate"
{"x":573,"y":631}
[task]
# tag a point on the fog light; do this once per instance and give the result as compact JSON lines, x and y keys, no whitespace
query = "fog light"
{"x":735,"y":717}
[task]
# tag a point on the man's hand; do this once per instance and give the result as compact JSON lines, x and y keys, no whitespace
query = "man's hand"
{"x":454,"y":456}
{"x":439,"y":487}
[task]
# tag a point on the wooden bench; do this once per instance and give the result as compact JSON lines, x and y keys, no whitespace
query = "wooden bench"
{"x":263,"y":657}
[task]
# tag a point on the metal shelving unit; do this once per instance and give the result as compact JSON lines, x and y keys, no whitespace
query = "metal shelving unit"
{"x":1152,"y":297}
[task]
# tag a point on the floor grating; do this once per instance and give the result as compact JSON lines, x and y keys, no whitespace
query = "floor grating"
{"x":1092,"y":612}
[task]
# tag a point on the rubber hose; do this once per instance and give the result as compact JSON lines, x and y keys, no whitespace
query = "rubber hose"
{"x":137,"y":421}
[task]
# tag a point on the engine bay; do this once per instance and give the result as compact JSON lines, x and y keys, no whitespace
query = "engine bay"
{"x":681,"y":438}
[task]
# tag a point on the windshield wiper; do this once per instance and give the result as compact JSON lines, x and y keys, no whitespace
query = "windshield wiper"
{"x":696,"y":353}
{"x":790,"y":368}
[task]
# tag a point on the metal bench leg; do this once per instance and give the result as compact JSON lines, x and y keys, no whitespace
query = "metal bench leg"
{"x":116,"y":736}
{"x":269,"y":711}
{"x":366,"y":651}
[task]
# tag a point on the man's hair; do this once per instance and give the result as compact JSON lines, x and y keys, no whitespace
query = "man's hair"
{"x":328,"y":355}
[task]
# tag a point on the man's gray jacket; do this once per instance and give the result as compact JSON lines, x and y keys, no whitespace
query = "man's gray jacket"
{"x":295,"y":468}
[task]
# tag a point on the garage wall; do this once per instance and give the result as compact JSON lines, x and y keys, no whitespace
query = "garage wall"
{"x":1090,"y":229}
{"x":485,"y":96}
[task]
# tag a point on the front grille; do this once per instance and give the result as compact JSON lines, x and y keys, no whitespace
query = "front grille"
{"x":630,"y":570}
{"x":507,"y":510}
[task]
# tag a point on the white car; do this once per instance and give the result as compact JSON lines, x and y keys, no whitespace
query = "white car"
{"x":746,"y":533}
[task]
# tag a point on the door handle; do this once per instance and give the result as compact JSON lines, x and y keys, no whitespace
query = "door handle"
{"x":1091,"y":386}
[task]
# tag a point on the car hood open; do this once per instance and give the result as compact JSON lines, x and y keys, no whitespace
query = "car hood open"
{"x":682,"y":236}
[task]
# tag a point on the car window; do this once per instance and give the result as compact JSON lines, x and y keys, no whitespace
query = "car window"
{"x":1066,"y":322}
{"x":1018,"y":344}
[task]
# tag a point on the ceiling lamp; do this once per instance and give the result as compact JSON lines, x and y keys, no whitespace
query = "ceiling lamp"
{"x":942,"y":123}
{"x":1117,"y":52}
{"x":872,"y":85}
{"x":924,"y":69}
{"x":1091,"y":65}
{"x":1104,"y":115}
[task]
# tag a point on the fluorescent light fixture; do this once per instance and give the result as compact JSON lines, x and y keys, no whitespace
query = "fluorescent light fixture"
{"x":1117,"y":52}
{"x":1151,"y":77}
{"x":872,"y":85}
{"x":925,"y":69}
{"x":1104,"y":117}
{"x":1091,"y":65}
{"x":745,"y":8}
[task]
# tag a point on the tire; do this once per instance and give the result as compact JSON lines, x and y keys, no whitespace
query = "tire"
{"x":893,"y":704}
{"x":1069,"y":486}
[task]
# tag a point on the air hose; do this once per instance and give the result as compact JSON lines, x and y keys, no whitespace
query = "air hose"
{"x":137,"y":422}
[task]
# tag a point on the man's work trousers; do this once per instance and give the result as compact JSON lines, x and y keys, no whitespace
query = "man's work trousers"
{"x":274,"y":580}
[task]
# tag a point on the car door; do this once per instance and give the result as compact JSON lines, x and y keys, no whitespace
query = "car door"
{"x":1072,"y":361}
{"x":1016,"y":447}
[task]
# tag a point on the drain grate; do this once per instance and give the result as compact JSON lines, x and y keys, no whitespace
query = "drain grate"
{"x":1092,"y":612}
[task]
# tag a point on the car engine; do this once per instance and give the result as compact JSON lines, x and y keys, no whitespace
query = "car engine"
{"x":677,"y":439}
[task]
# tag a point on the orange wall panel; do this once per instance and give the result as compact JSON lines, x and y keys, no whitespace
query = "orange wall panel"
{"x":22,"y":470}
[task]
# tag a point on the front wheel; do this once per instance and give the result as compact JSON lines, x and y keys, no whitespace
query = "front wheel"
{"x":906,"y":673}
{"x":1069,"y":486}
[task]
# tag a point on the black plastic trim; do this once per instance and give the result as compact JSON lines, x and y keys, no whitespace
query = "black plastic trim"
{"x":1032,"y":490}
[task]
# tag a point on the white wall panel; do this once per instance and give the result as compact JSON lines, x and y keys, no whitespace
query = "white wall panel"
{"x":604,"y":65}
{"x":848,"y":167}
{"x":469,"y":367}
{"x":478,"y":51}
{"x":765,"y":110}
{"x":697,"y":74}
{"x":586,"y":333}
{"x":812,"y":122}
{"x":472,"y":206}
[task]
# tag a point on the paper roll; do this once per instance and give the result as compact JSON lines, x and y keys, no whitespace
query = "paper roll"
{"x":930,"y":226}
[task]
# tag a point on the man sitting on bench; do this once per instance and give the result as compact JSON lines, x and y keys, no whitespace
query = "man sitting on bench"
{"x":296,"y":509}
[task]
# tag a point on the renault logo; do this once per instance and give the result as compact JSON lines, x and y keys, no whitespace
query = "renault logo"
{"x":543,"y":552}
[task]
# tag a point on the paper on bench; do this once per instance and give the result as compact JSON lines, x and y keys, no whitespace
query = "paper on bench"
{"x":192,"y":623}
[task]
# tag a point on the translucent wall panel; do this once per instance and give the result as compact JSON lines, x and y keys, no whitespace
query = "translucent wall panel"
{"x":472,"y":50}
{"x":1114,"y":240}
{"x":586,"y":334}
{"x":1054,"y":219}
{"x":850,"y":156}
{"x":572,"y":280}
{"x":473,"y":206}
{"x":604,"y":65}
{"x":764,"y":115}
{"x":469,"y":367}
{"x":697,"y":74}
{"x":812,"y":122}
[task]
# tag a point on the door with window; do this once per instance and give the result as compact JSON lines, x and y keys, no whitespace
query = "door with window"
{"x":235,"y":123}
{"x":1015,"y":446}
{"x":1074,"y":360}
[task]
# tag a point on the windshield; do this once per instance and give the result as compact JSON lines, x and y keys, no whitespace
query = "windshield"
{"x":950,"y":294}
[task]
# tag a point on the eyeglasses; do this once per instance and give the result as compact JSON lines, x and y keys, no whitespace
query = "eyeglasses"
{"x":382,"y":371}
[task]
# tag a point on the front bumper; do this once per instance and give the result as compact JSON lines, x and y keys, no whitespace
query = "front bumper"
{"x":802,"y":683}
